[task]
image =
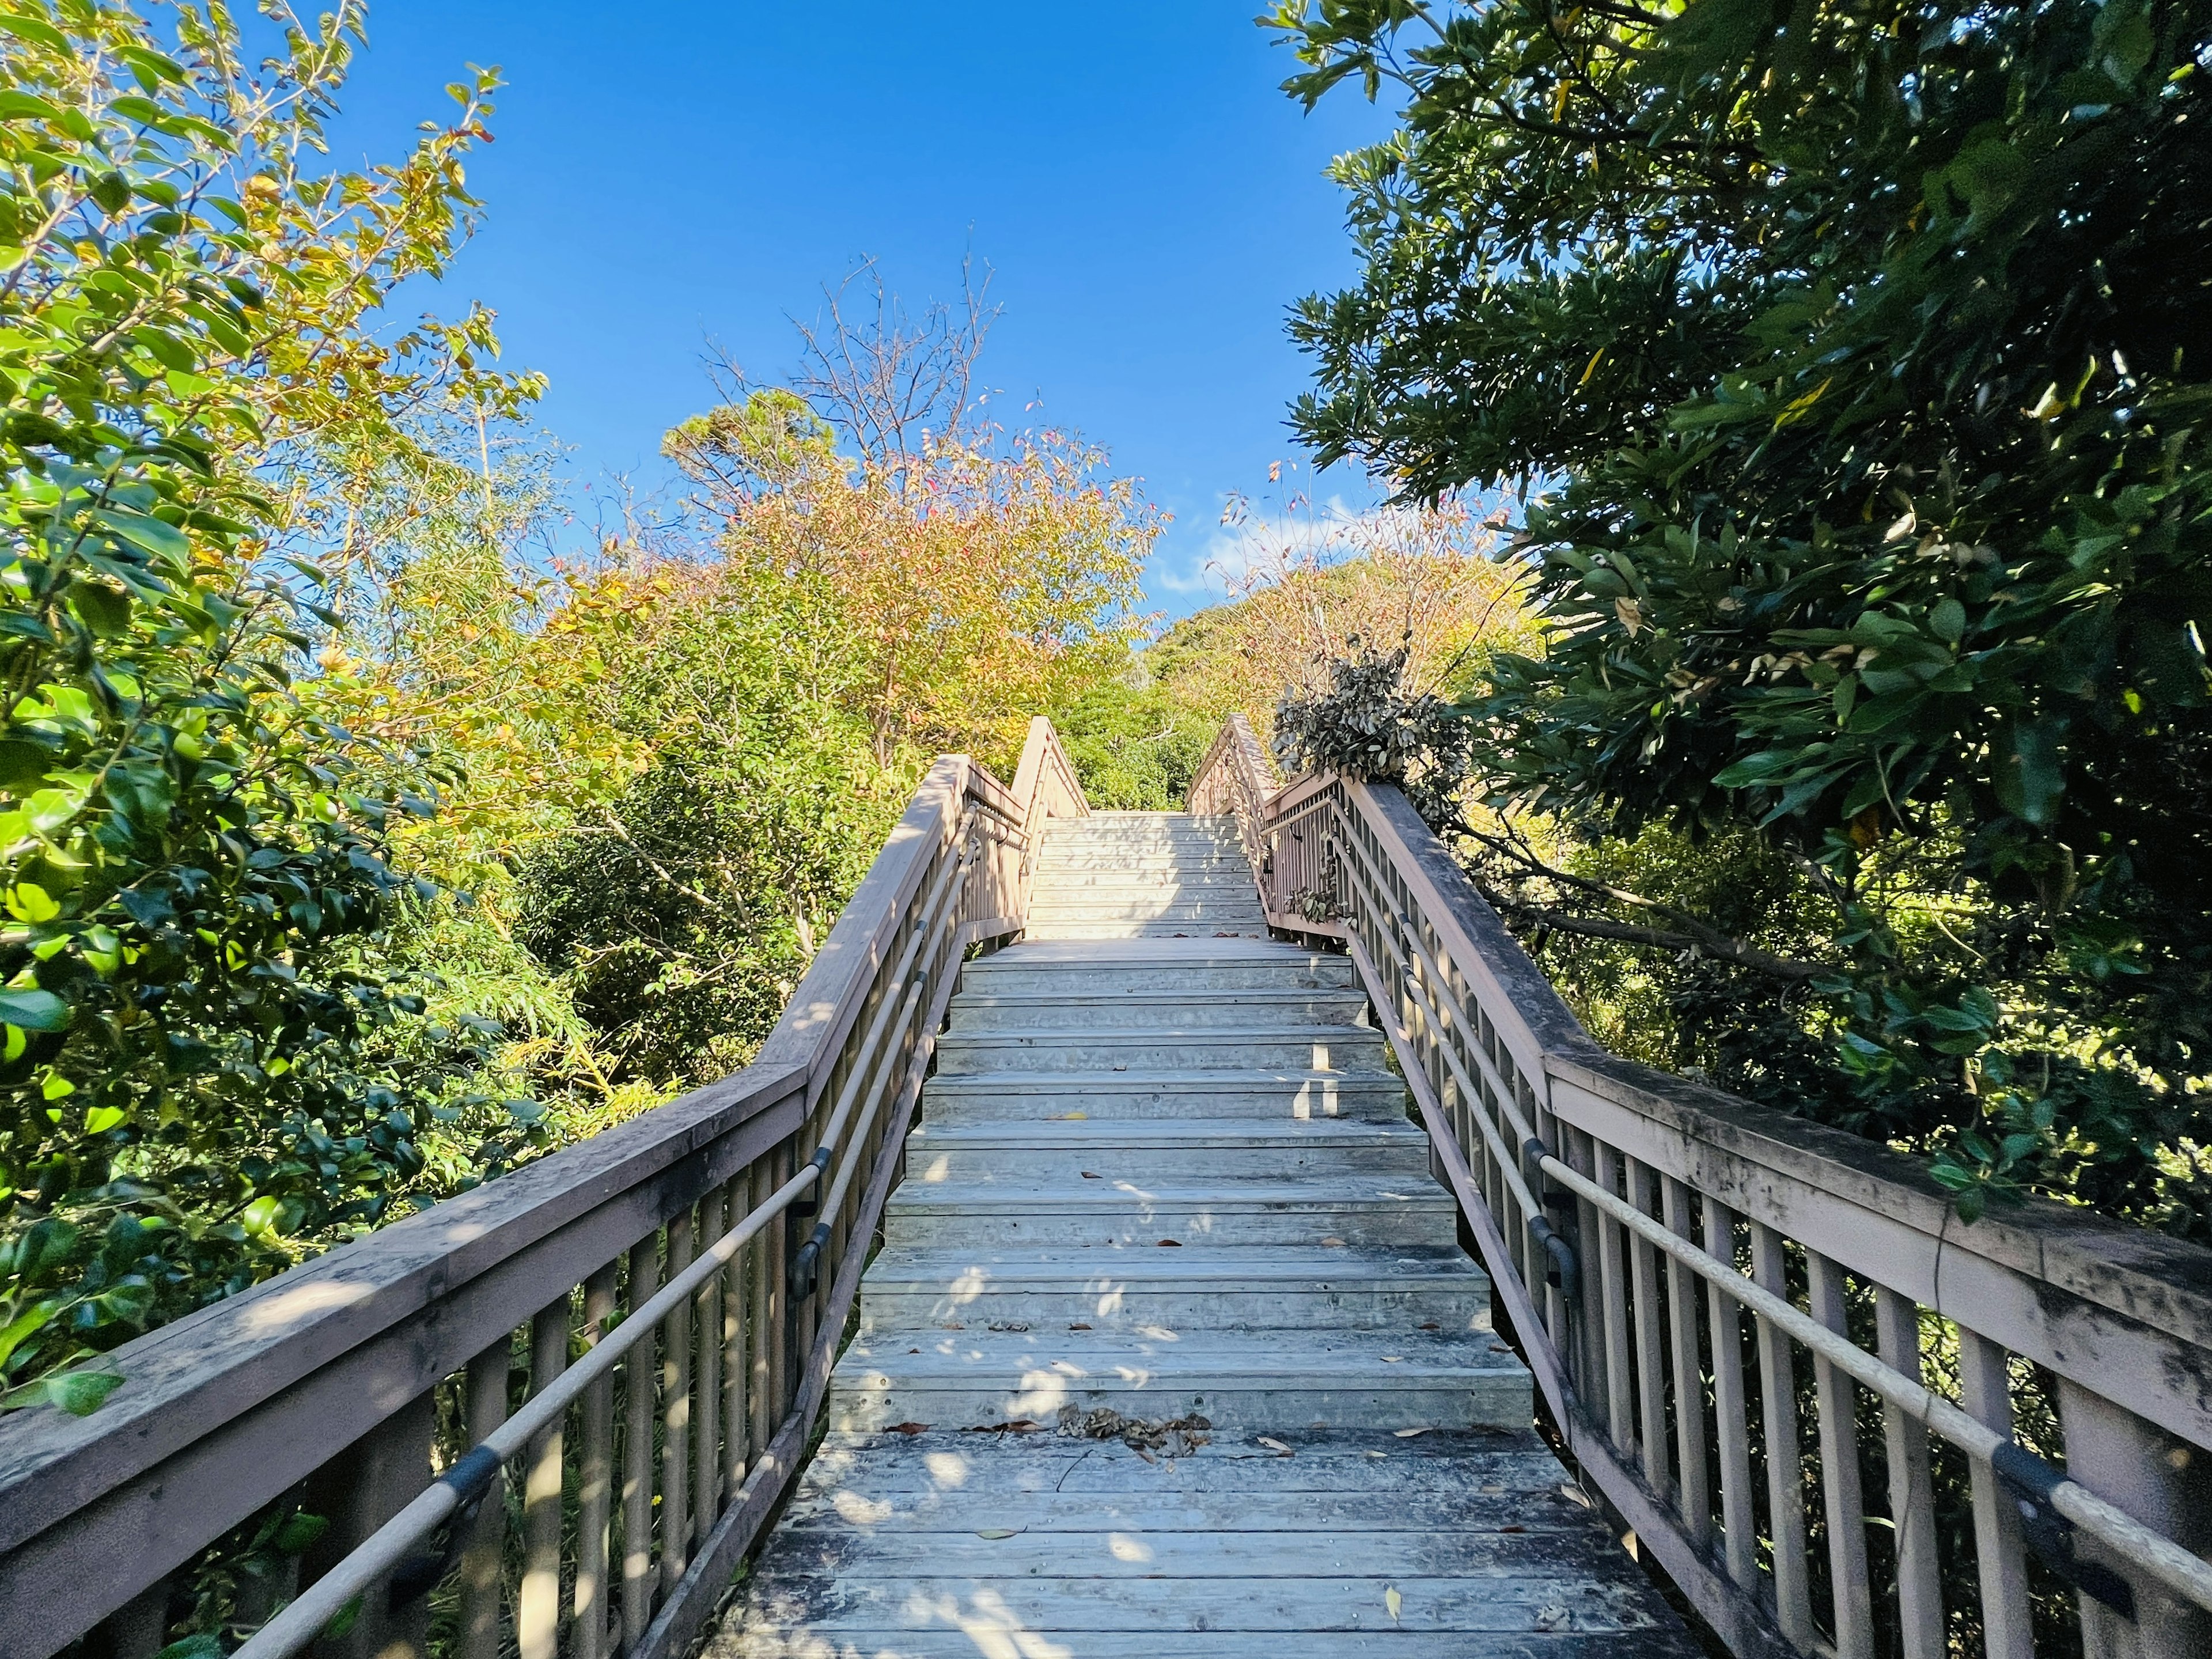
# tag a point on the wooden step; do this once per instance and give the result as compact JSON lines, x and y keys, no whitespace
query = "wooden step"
{"x":1136,"y":1093}
{"x":1119,"y":1214}
{"x":1257,"y":1047}
{"x":1276,"y":1287}
{"x":1029,"y":1150}
{"x":1259,"y":1380}
{"x":1188,"y":1008}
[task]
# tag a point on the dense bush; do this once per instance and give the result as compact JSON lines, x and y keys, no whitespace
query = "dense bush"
{"x":196,"y":856}
{"x":1854,"y":356}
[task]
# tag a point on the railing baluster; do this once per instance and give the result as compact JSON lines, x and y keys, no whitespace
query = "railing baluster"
{"x":735,"y":1363}
{"x":483,"y":1558}
{"x":1739,"y":1536}
{"x":779,"y":1315}
{"x":1785,"y":1477}
{"x":1693,"y":1494}
{"x":1911,"y":1495}
{"x":2000,"y":1552}
{"x":676,"y":1418}
{"x":1580,"y":1155}
{"x":1619,"y":1401}
{"x":705,"y":1406}
{"x":637,"y":1451}
{"x":595,"y":1479}
{"x":1651,"y":1361}
{"x":760,"y":1351}
{"x":537,"y":1607}
{"x":1839,"y":1468}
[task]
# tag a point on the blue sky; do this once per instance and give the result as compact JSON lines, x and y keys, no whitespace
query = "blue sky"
{"x":1148,"y":199}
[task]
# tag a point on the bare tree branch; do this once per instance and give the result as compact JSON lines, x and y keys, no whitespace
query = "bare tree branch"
{"x":889,"y":382}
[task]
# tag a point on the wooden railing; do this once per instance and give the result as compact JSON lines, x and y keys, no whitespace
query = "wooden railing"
{"x":638,"y":1330}
{"x":1773,"y":1348}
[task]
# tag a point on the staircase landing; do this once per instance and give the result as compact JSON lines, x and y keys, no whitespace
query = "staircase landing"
{"x":1171,"y":1348}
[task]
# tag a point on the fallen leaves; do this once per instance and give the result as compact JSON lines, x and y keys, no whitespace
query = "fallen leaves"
{"x":1141,"y":1435}
{"x":1275,"y":1445}
{"x":1078,"y":1328}
{"x":1408,"y":1434}
{"x":907,"y":1428}
{"x":994,"y":1531}
{"x":1392,"y":1601}
{"x":1332,"y":1243}
{"x":1171,"y":1243}
{"x":1069,"y":1117}
{"x":1087,"y":1176}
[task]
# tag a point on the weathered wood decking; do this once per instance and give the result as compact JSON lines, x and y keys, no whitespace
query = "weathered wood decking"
{"x":1171,"y":1349}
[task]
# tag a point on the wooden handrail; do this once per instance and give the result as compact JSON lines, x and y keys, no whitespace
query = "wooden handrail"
{"x":1625,"y":1334}
{"x":317,"y":1382}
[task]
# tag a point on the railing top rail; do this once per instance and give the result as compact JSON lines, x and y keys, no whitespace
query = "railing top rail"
{"x":188,"y":1379}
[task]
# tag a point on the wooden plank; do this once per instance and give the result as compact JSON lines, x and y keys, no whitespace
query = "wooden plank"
{"x":1546,"y":1557}
{"x":538,"y":1607}
{"x":1911,"y":1492}
{"x":1693,"y":1495}
{"x":676,"y":1418}
{"x":1612,"y":1314}
{"x":595,"y":1482}
{"x":484,"y":1557}
{"x":1837,"y":1399}
{"x":976,"y":1632}
{"x":2000,"y":1551}
{"x":1739,"y":1537}
{"x":638,"y":1367}
{"x":1388,"y":1507}
{"x":1785,"y":1479}
{"x":1651,"y":1342}
{"x":1315,"y":1600}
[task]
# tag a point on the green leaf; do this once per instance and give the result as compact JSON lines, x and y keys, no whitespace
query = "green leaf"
{"x":2028,"y":779}
{"x":146,"y":532}
{"x":78,"y":1393}
{"x":1948,"y":621}
{"x":34,"y":1011}
{"x":106,"y":610}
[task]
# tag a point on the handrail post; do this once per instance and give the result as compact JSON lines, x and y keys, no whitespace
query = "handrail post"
{"x":371,"y":1481}
{"x":2165,"y":1483}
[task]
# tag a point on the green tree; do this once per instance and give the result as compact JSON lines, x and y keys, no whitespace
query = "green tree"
{"x":194,"y":866}
{"x":1855,"y":355}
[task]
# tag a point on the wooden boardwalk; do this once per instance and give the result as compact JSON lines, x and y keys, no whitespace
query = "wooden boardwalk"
{"x":1171,"y":1349}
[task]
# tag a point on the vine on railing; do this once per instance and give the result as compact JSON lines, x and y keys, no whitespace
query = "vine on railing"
{"x":1770,"y":1346}
{"x":635,"y":1333}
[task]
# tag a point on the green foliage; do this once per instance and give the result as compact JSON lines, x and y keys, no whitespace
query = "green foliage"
{"x":1865,"y":346}
{"x":195,"y":857}
{"x":1135,"y":744}
{"x":1366,"y":723}
{"x":682,"y":914}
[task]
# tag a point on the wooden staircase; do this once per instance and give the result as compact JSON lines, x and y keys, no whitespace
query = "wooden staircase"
{"x":1171,"y":1347}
